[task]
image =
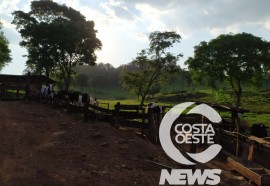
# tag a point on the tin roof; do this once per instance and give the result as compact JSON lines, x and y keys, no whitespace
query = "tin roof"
{"x":7,"y":78}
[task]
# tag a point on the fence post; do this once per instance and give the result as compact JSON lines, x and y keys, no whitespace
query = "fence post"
{"x":116,"y":113}
{"x":108,"y":106}
{"x":143,"y":123}
{"x":251,"y":151}
{"x":152,"y":122}
{"x":27,"y":87}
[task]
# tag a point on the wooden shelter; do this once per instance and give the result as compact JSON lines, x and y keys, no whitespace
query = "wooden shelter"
{"x":26,"y":83}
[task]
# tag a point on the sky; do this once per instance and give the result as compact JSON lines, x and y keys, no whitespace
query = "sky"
{"x":124,"y":26}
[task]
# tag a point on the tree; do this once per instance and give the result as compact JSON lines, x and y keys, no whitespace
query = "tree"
{"x":151,"y":63}
{"x":172,"y":70}
{"x":82,"y":80}
{"x":184,"y":79}
{"x":4,"y":49}
{"x":132,"y":76}
{"x":235,"y":58}
{"x":57,"y":38}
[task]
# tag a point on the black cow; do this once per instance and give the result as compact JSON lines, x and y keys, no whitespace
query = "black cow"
{"x":156,"y":108}
{"x":62,"y":95}
{"x":85,"y":98}
{"x":259,"y":130}
{"x":73,"y":97}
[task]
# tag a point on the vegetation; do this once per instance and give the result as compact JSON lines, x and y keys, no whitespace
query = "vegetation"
{"x":151,"y":65}
{"x":232,"y":69}
{"x":238,"y":59}
{"x":57,"y":38}
{"x":4,"y":49}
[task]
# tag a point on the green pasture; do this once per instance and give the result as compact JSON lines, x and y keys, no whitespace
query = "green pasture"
{"x":257,"y":102}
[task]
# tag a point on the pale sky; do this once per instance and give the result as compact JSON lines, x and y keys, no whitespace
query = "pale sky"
{"x":123,"y":26}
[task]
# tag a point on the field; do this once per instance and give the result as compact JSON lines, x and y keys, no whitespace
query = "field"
{"x":40,"y":145}
{"x":257,"y":102}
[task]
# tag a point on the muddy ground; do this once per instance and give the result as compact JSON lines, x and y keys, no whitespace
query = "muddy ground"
{"x":40,"y":145}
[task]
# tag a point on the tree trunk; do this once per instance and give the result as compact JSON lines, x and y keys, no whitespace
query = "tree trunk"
{"x":67,"y":82}
{"x":153,"y":78}
{"x":143,"y":99}
{"x":173,"y":83}
{"x":237,"y":119}
{"x":47,"y":72}
{"x":68,"y":73}
{"x":238,"y":99}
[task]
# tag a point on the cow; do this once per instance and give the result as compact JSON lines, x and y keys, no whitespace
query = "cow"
{"x":259,"y":130}
{"x":155,"y":117}
{"x":47,"y":93}
{"x":156,"y":108}
{"x":85,"y":98}
{"x":62,"y":95}
{"x":92,"y":101}
{"x":73,"y":97}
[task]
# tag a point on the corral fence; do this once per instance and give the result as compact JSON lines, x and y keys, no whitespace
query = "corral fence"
{"x":253,"y":161}
{"x":131,"y":116}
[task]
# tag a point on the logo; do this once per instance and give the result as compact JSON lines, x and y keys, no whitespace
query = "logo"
{"x":186,"y":133}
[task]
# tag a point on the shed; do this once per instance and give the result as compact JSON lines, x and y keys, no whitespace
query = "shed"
{"x":19,"y":83}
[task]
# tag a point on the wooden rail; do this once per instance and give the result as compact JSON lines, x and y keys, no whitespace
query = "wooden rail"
{"x":253,"y":172}
{"x":103,"y":103}
{"x":130,"y":115}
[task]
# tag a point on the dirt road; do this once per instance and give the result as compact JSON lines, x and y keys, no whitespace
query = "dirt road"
{"x":44,"y":146}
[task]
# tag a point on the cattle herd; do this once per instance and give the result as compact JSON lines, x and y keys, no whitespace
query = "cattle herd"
{"x":80,"y":99}
{"x":48,"y":94}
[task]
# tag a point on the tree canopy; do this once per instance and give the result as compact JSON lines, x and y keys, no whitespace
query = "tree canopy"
{"x":57,"y":38}
{"x":5,"y":57}
{"x":235,"y":58}
{"x":151,"y":64}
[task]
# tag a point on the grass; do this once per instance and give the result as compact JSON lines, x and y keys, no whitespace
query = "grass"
{"x":257,"y":102}
{"x":114,"y":102}
{"x":257,"y":118}
{"x":11,"y":95}
{"x":103,"y":102}
{"x":108,"y":93}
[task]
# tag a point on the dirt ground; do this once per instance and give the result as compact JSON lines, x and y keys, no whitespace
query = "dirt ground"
{"x":40,"y":145}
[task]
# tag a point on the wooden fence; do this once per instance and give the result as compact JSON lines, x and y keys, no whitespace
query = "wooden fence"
{"x":254,"y":153}
{"x":132,"y":116}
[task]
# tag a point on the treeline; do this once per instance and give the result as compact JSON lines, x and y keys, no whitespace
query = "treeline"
{"x":61,"y":44}
{"x":106,"y":76}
